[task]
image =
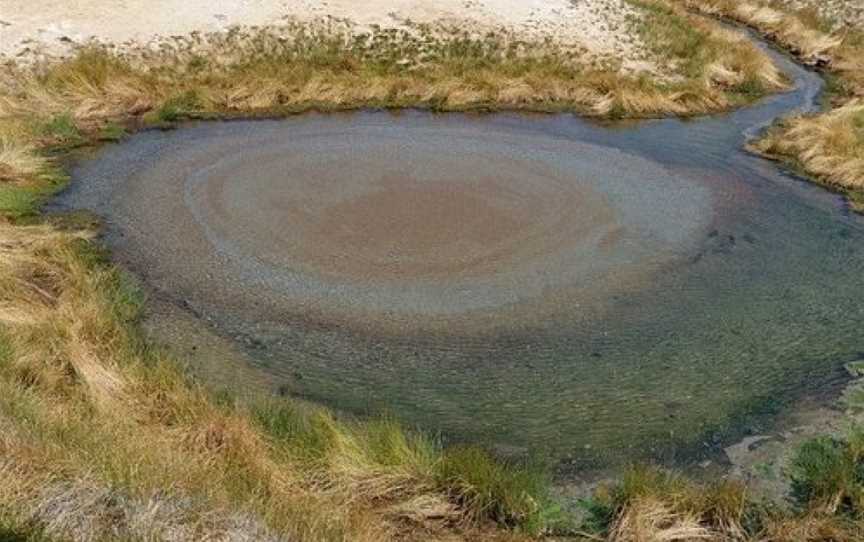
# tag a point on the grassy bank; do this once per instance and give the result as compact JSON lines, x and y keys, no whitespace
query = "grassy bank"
{"x":828,"y":146}
{"x":288,"y":69}
{"x":826,"y":503}
{"x":103,"y":437}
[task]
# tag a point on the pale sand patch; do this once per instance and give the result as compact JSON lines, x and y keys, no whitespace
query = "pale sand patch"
{"x":601,"y":27}
{"x":840,"y":13}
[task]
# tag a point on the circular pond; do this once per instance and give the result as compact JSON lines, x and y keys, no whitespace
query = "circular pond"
{"x":596,"y":293}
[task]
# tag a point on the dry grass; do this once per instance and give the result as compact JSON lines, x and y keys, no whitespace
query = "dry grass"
{"x":832,"y":14}
{"x":829,"y":146}
{"x":813,"y":528}
{"x":18,"y":159}
{"x":655,"y":520}
{"x":294,"y":68}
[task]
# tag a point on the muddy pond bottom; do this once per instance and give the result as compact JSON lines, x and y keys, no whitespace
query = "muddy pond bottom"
{"x":532,"y":284}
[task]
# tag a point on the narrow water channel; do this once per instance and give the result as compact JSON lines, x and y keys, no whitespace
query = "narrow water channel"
{"x":594,"y":293}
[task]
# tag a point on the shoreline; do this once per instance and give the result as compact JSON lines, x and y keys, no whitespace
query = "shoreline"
{"x":396,"y":113}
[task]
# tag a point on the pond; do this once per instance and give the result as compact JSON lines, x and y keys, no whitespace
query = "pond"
{"x":595,"y":293}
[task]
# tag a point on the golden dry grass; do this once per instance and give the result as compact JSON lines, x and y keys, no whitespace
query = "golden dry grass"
{"x":292,"y":69}
{"x":654,"y":520}
{"x":830,"y":145}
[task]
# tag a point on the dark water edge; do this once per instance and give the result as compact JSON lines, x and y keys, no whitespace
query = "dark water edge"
{"x":770,"y":232}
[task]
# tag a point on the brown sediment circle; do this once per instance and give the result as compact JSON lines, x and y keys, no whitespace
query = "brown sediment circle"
{"x":430,"y":229}
{"x":400,"y":225}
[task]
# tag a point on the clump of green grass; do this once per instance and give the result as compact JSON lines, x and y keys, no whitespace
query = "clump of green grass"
{"x":510,"y":494}
{"x":62,"y":131}
{"x":111,"y":131}
{"x":23,"y":200}
{"x":649,"y":501}
{"x":827,"y":474}
{"x":177,"y":107}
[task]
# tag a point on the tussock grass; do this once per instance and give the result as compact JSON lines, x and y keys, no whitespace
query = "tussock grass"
{"x":653,"y":504}
{"x":650,"y":504}
{"x":829,"y":146}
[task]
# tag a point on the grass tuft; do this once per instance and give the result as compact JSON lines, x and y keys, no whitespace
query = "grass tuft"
{"x":827,"y":475}
{"x":514,"y":495}
{"x":62,"y":131}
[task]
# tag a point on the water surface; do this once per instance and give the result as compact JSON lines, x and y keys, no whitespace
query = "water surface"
{"x":597,"y":293}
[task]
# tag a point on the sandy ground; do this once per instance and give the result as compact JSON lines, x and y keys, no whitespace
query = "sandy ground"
{"x":53,"y":26}
{"x":843,"y":13}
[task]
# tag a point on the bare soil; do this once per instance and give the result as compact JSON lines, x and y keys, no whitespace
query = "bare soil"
{"x":601,"y":28}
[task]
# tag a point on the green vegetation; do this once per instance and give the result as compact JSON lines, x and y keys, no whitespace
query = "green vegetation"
{"x":23,"y":199}
{"x":176,"y":108}
{"x":828,"y":473}
{"x":702,"y":54}
{"x":111,"y":131}
{"x":827,"y":480}
{"x":62,"y":131}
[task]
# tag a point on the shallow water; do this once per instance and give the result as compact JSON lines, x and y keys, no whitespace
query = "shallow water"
{"x":597,"y":293}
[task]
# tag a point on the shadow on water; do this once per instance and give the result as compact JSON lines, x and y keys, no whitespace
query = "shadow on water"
{"x":593,"y":293}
